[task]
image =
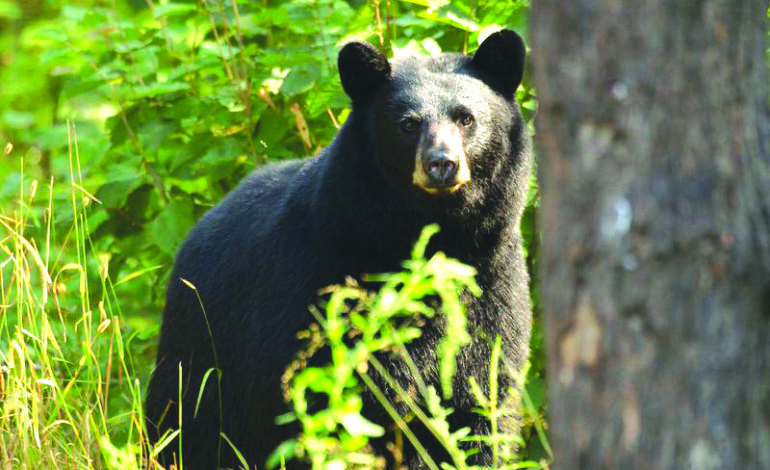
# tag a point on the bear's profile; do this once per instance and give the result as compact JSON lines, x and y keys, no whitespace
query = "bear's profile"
{"x":429,"y":140}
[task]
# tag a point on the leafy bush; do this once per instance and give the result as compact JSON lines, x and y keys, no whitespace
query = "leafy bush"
{"x":336,"y":435}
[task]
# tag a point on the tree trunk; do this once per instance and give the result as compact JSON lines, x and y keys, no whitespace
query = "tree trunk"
{"x":654,"y":144}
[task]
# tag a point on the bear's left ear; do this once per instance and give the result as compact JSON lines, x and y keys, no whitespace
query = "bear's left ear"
{"x":362,"y":69}
{"x":501,"y":56}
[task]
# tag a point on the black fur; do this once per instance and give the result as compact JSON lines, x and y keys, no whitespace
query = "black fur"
{"x":260,"y":256}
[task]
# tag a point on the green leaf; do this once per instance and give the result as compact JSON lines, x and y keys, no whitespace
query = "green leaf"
{"x":300,"y":80}
{"x":285,"y":450}
{"x":169,"y":229}
{"x":357,"y":425}
{"x":78,"y":86}
{"x":55,"y":35}
{"x":237,"y":452}
{"x":9,"y":10}
{"x":114,"y":193}
{"x":201,"y":389}
{"x":17,"y":119}
{"x":271,"y":129}
{"x":62,"y":57}
{"x":156,"y":89}
{"x":74,"y":12}
{"x":172,"y":9}
{"x":130,"y":46}
{"x":536,"y":391}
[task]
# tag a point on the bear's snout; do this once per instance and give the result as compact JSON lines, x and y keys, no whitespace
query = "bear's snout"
{"x":441,"y":165}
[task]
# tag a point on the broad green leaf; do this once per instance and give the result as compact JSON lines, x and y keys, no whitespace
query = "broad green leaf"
{"x":300,"y":79}
{"x":156,"y":89}
{"x":169,"y":229}
{"x":172,"y":9}
{"x":9,"y":10}
{"x":114,"y":193}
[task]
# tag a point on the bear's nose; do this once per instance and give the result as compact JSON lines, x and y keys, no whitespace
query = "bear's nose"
{"x":441,"y":168}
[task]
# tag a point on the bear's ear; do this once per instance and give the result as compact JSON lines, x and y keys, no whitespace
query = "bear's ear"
{"x":362,"y":69}
{"x":501,"y":56}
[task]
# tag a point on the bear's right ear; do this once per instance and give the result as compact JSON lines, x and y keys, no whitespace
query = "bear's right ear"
{"x":362,"y":69}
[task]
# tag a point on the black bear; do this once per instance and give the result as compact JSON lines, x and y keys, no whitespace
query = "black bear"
{"x":429,"y":140}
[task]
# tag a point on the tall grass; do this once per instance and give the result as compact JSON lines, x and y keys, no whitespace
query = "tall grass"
{"x":69,"y":392}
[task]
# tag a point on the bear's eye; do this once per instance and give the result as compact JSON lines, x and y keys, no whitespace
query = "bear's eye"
{"x":410,"y":124}
{"x":466,"y":119}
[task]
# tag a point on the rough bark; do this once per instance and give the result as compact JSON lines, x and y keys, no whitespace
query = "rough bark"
{"x":654,"y":147}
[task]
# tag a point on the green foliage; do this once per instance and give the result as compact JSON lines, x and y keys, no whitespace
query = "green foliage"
{"x":121,"y":123}
{"x":360,"y":326}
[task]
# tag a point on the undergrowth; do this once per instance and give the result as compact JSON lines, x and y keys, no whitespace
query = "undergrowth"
{"x":70,"y":394}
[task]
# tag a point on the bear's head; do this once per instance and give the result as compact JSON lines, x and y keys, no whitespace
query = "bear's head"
{"x":445,"y":130}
